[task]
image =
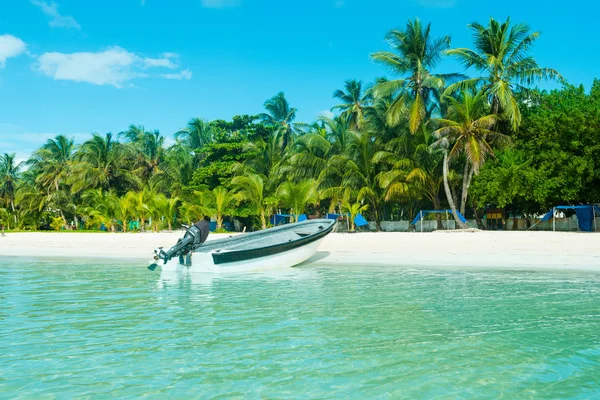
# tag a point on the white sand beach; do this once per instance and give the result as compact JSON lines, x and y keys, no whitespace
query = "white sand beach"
{"x":443,"y":249}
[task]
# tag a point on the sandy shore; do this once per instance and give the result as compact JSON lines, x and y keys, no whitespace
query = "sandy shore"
{"x":509,"y":250}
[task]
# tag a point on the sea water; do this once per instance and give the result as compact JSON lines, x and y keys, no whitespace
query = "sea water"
{"x":100,"y":329}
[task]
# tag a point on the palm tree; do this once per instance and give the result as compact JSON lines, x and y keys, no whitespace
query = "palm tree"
{"x":196,"y":134}
{"x":251,"y":188}
{"x":354,"y":100}
{"x":174,"y":171}
{"x":142,"y":205}
{"x":417,"y":52}
{"x":217,"y":202}
{"x":148,"y":164}
{"x":355,"y":171}
{"x":101,"y":162}
{"x":103,"y":206}
{"x":53,"y":162}
{"x":296,"y":196}
{"x":167,"y":207}
{"x":468,"y":129}
{"x":134,"y":133}
{"x":281,"y":116}
{"x":9,"y":178}
{"x":125,"y":209}
{"x":353,"y":208}
{"x":502,"y":55}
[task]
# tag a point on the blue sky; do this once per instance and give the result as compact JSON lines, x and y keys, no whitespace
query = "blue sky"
{"x":75,"y":66}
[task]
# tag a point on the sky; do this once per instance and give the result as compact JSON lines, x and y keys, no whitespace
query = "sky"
{"x":74,"y":67}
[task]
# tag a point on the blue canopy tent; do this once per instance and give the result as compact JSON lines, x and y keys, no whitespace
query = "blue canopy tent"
{"x":586,"y":216}
{"x":423,"y":213}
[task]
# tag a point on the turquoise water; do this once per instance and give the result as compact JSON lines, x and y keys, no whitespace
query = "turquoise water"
{"x":74,"y":330}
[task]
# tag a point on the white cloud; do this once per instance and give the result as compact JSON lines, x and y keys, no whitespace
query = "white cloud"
{"x":184,"y":74}
{"x":220,"y":3}
{"x":57,"y":20}
{"x":114,"y":66}
{"x":10,"y":46}
{"x":166,"y":61}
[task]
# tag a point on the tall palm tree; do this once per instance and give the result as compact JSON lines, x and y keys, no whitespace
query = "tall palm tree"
{"x":53,"y":162}
{"x":9,"y":178}
{"x":354,"y":101}
{"x":148,"y":164}
{"x":468,"y":129}
{"x":174,"y":171}
{"x":502,"y":54}
{"x":101,"y":162}
{"x":134,"y":133}
{"x":196,"y":134}
{"x":281,"y":116}
{"x":416,"y":54}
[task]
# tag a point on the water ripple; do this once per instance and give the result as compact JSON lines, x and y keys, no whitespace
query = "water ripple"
{"x":83,"y":330}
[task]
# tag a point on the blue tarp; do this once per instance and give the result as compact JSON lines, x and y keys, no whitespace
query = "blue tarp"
{"x":302,"y":217}
{"x":359,"y":220}
{"x":585,"y":215}
{"x":333,"y":216}
{"x":279,"y":219}
{"x":423,"y":213}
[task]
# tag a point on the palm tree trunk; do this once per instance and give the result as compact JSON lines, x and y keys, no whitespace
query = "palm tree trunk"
{"x":219,"y":221}
{"x":463,"y":198}
{"x":438,"y":206}
{"x":466,"y":191}
{"x":480,"y":224}
{"x":12,"y":204}
{"x":449,"y":194}
{"x":65,"y":223}
{"x":263,"y":221}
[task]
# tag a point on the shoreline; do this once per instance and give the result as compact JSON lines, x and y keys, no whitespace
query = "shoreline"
{"x":443,"y":249}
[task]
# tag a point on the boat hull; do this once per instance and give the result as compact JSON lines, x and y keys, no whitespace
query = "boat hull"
{"x":205,"y":262}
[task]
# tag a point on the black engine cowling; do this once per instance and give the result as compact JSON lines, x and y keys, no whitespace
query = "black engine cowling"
{"x":193,"y":238}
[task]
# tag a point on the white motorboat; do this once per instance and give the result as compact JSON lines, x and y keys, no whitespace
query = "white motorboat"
{"x":281,"y":246}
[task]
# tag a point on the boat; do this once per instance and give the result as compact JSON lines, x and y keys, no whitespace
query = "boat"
{"x":278,"y":247}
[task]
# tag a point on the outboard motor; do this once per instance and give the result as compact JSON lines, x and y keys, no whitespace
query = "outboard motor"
{"x":193,"y":238}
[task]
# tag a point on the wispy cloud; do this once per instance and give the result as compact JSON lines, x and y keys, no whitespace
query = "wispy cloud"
{"x":114,"y":66}
{"x":57,"y":20}
{"x":437,"y":3}
{"x":184,"y":74}
{"x":221,"y":3}
{"x":167,"y":60}
{"x":10,"y":46}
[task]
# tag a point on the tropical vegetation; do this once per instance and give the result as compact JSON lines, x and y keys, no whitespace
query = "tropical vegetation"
{"x":420,"y":139}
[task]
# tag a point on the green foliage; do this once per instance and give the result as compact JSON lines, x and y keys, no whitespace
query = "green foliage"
{"x":555,"y":155}
{"x":390,"y":149}
{"x":57,"y":223}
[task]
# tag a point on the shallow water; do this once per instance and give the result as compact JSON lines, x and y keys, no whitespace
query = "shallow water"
{"x":69,"y":329}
